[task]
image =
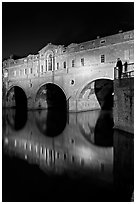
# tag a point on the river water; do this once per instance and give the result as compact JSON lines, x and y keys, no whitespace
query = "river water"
{"x":57,"y":156}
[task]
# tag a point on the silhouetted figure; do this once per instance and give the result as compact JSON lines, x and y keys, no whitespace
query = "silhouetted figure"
{"x":119,"y":65}
{"x":125,"y":66}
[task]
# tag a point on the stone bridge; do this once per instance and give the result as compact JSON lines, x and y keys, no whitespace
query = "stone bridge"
{"x":79,"y":76}
{"x":84,"y":88}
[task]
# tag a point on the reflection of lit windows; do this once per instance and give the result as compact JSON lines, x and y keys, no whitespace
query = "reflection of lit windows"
{"x":15,"y":143}
{"x":58,"y":155}
{"x":25,"y":145}
{"x":25,"y":156}
{"x":102,"y":167}
{"x":41,"y":150}
{"x":36,"y":148}
{"x":6,"y":140}
{"x":82,"y":162}
{"x":53,"y":155}
{"x":45,"y":153}
{"x":30,"y":147}
{"x":72,"y":158}
{"x":65,"y":156}
{"x":50,"y":153}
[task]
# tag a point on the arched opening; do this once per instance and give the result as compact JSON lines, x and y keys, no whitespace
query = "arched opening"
{"x":100,"y":90}
{"x":104,"y":92}
{"x":51,"y":96}
{"x":16,"y":98}
{"x":87,"y":91}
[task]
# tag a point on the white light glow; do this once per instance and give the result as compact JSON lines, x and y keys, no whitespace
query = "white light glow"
{"x":25,"y":156}
{"x":15,"y":143}
{"x":6,"y":140}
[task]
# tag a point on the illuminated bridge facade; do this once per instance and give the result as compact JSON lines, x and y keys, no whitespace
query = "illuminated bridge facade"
{"x":79,"y":76}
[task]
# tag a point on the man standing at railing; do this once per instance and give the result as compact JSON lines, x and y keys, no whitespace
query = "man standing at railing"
{"x":125,"y":66}
{"x":119,"y":65}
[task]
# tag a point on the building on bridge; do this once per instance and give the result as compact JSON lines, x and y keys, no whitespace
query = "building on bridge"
{"x":79,"y":76}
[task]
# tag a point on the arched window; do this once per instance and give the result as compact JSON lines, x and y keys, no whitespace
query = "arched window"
{"x":50,"y":62}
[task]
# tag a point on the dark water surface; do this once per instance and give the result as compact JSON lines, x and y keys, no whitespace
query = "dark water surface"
{"x":55,"y":156}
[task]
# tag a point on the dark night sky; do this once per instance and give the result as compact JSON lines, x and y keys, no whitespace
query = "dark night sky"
{"x":28,"y":27}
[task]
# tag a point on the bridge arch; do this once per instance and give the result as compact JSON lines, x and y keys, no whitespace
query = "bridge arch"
{"x":16,"y":97}
{"x":50,"y":95}
{"x":99,"y":89}
{"x":91,"y":80}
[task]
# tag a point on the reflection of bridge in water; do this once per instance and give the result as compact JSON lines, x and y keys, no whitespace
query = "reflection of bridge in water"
{"x":65,"y":149}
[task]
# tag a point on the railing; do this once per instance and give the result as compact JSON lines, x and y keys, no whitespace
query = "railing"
{"x":127,"y":71}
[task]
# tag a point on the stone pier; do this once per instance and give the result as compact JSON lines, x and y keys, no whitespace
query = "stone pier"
{"x":124,"y":104}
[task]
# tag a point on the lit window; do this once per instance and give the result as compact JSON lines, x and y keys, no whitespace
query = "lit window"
{"x":126,"y":54}
{"x":102,"y":41}
{"x":72,"y":82}
{"x":14,"y":73}
{"x":20,"y":72}
{"x":50,"y":62}
{"x":57,"y":65}
{"x":82,"y":62}
{"x":41,"y":68}
{"x":102,"y":58}
{"x":5,"y":73}
{"x":72,"y":141}
{"x":31,"y":70}
{"x":46,"y":65}
{"x":64,"y":65}
{"x":73,"y":63}
{"x":25,"y":71}
{"x":81,"y":47}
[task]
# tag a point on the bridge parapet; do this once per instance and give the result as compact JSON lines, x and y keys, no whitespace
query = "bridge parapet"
{"x":127,"y":72}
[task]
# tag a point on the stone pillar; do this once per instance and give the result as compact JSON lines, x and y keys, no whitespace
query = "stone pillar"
{"x":124,"y":104}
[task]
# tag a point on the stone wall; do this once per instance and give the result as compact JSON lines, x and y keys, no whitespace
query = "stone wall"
{"x":124,"y":104}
